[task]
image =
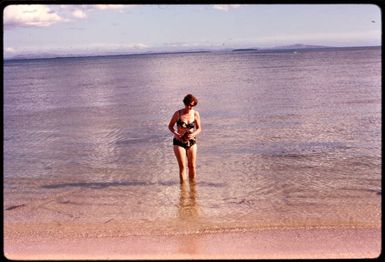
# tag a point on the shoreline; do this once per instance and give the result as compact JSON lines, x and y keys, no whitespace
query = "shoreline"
{"x":290,"y":243}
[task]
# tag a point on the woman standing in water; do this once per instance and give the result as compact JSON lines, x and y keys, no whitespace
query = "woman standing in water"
{"x":184,"y":141}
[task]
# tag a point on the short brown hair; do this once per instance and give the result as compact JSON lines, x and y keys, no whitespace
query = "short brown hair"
{"x":190,"y":98}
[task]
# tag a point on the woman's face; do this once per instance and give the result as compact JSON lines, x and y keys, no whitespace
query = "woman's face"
{"x":190,"y":106}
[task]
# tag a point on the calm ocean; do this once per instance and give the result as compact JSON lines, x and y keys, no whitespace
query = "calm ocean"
{"x":289,"y":139}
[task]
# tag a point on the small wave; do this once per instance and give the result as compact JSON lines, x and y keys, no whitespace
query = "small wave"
{"x":364,"y":101}
{"x":98,"y":184}
{"x":211,"y":184}
{"x":376,"y":191}
{"x":218,"y":229}
{"x":131,"y":140}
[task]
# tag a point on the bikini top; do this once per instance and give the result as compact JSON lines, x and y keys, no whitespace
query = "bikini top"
{"x":184,"y":124}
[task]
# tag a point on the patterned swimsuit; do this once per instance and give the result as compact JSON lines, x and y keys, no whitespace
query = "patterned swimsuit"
{"x":185,"y":143}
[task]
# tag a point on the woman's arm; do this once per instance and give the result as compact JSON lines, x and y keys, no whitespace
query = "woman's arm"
{"x":172,"y":123}
{"x":198,"y":125}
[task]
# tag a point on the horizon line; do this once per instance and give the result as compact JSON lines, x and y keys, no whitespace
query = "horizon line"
{"x":286,"y":48}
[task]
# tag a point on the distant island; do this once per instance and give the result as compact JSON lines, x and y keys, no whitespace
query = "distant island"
{"x":286,"y":47}
{"x":296,"y":48}
{"x":176,"y":52}
{"x":245,"y":49}
{"x":282,"y":48}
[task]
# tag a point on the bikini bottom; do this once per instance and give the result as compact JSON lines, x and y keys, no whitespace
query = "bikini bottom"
{"x":184,"y":144}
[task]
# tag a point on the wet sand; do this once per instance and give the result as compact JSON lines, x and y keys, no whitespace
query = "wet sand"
{"x":33,"y":241}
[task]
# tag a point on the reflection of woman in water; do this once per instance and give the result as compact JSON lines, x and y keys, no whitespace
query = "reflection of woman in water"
{"x":188,"y":214}
{"x":184,"y":141}
{"x":188,"y":206}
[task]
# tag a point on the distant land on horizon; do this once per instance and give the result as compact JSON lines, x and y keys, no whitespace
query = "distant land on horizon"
{"x":286,"y":48}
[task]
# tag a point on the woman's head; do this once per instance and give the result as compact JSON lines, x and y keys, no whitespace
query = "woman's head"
{"x":190,"y":100}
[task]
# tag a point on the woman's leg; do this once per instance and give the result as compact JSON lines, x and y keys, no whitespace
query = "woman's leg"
{"x":180,"y":154}
{"x":192,"y":157}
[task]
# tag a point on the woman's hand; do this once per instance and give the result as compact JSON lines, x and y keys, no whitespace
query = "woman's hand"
{"x":190,"y":136}
{"x":177,"y":135}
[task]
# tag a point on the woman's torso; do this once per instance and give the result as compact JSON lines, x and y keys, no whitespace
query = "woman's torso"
{"x":185,"y":122}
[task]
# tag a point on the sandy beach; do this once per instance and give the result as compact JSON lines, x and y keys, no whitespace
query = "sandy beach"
{"x":44,"y":241}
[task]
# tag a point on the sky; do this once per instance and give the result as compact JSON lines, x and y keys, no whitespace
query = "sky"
{"x":98,"y":29}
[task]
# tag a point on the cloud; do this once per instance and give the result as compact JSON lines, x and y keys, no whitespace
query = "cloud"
{"x":10,"y":50}
{"x":112,"y":7}
{"x":139,"y":46}
{"x":83,"y":11}
{"x":226,"y":8}
{"x":78,"y":13}
{"x":188,"y":44}
{"x":43,"y":15}
{"x":100,"y":48}
{"x":111,"y":46}
{"x":29,"y":15}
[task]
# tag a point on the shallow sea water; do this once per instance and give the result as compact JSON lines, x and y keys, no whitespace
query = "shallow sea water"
{"x":289,"y":140}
